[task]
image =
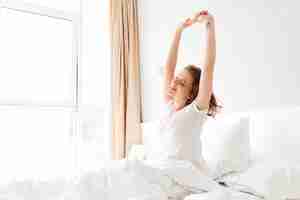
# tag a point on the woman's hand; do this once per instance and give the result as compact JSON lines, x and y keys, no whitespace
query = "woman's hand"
{"x":203,"y":17}
{"x":186,"y":23}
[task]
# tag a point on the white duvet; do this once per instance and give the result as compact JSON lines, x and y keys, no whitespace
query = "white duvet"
{"x":121,"y":180}
{"x":273,"y":179}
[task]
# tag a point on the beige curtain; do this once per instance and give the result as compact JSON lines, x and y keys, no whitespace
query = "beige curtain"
{"x":126,"y":97}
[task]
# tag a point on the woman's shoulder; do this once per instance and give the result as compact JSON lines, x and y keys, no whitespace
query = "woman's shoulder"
{"x":198,"y":107}
{"x":192,"y":112}
{"x":194,"y":107}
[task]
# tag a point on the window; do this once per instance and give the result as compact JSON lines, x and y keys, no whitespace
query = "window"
{"x":39,"y":93}
{"x":37,"y":63}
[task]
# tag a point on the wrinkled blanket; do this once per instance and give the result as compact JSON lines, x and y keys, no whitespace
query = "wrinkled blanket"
{"x":124,"y":179}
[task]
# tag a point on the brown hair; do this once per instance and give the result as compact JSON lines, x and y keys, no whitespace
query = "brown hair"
{"x":196,"y":74}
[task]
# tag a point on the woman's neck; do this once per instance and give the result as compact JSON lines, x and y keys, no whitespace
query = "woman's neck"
{"x":176,"y":107}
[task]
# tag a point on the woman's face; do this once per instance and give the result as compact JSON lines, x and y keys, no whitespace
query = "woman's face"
{"x":181,"y":88}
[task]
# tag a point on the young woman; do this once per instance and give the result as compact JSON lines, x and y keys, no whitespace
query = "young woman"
{"x":189,"y":98}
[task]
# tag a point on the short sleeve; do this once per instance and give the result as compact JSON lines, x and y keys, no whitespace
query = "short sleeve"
{"x":200,"y":111}
{"x":198,"y":108}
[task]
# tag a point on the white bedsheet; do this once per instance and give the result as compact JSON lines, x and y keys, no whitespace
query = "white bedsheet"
{"x":222,"y":195}
{"x":122,"y":180}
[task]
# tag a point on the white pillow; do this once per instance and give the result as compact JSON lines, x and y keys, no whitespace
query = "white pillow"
{"x":276,"y":133}
{"x":225,"y":143}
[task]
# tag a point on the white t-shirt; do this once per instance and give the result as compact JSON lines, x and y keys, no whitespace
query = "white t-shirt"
{"x":180,"y":134}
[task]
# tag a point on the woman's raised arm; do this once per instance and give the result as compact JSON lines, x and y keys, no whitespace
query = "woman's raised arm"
{"x":170,"y":65}
{"x":206,"y":81}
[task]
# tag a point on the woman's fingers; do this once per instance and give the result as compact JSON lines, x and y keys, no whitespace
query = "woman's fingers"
{"x":187,"y":22}
{"x":202,"y":12}
{"x":203,"y":17}
{"x":200,"y":16}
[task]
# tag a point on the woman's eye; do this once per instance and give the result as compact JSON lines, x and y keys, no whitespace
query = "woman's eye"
{"x":179,"y":81}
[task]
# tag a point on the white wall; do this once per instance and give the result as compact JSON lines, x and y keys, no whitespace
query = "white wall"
{"x":257,"y":50}
{"x":94,"y":116}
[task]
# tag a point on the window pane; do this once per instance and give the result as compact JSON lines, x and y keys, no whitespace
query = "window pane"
{"x":36,"y":58}
{"x":35,"y":144}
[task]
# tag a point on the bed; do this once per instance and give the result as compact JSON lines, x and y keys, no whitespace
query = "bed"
{"x":253,"y":155}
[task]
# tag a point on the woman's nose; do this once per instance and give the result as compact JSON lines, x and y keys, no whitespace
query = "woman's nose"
{"x":172,"y":83}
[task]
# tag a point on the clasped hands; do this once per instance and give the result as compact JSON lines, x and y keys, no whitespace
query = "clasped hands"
{"x":202,"y":17}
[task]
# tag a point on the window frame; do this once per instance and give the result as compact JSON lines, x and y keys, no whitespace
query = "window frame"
{"x":72,"y":108}
{"x":73,"y":18}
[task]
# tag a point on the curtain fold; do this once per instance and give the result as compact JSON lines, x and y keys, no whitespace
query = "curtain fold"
{"x":125,"y":63}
